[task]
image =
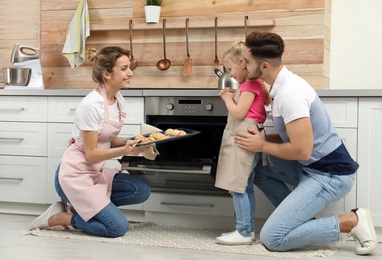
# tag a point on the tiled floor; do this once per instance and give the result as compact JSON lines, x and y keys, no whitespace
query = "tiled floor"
{"x":14,"y":246}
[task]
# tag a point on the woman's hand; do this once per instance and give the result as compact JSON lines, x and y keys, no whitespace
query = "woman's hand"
{"x":132,"y":149}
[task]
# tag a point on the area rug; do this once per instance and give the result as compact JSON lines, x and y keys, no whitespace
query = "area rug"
{"x":150,"y":234}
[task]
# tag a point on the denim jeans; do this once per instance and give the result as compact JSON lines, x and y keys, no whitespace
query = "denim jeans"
{"x":110,"y":221}
{"x":292,"y":224}
{"x":245,"y":205}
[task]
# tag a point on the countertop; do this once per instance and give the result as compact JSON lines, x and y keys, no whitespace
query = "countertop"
{"x":176,"y":92}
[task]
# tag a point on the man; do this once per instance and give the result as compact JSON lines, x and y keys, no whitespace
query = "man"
{"x":311,"y":157}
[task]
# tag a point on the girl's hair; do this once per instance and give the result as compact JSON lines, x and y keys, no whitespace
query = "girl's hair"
{"x":234,"y":52}
{"x":105,"y":60}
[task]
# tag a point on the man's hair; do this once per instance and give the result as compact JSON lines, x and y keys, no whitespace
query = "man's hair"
{"x":265,"y":46}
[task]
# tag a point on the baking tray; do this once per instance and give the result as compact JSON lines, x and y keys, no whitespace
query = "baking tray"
{"x":189,"y":133}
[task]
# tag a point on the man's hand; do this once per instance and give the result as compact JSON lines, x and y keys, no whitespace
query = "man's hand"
{"x":252,"y":141}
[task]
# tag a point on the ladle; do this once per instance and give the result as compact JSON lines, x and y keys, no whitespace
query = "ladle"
{"x":133,"y":62}
{"x":164,"y":63}
{"x":245,"y":26}
{"x":216,"y":61}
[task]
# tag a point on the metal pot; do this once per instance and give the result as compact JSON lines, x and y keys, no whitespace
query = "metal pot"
{"x":225,"y":80}
{"x":17,"y":76}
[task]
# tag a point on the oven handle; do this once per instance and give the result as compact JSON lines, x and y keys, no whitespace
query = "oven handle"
{"x":206,"y":170}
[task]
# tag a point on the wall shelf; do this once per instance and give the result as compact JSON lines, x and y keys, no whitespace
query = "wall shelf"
{"x":181,"y":25}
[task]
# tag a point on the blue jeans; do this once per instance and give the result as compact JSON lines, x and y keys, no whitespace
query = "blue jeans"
{"x":110,"y":221}
{"x":292,"y":224}
{"x":245,"y":205}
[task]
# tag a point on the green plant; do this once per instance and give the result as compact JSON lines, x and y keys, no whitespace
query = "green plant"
{"x":153,"y":2}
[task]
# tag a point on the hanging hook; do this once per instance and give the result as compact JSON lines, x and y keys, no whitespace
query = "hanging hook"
{"x":245,"y":25}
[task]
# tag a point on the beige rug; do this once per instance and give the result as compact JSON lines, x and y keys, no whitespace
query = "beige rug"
{"x":150,"y":234}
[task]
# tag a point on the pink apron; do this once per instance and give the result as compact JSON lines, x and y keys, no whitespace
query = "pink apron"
{"x":234,"y":163}
{"x":88,"y":185}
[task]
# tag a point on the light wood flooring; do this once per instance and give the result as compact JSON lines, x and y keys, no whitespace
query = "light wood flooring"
{"x":14,"y":246}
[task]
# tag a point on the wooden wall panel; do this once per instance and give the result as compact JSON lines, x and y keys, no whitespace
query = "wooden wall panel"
{"x":305,"y":26}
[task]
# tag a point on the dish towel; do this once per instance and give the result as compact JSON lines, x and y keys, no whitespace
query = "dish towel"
{"x":76,"y":34}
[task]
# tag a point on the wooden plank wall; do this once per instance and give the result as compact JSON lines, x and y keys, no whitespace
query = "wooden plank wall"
{"x":304,"y":24}
{"x":19,"y":24}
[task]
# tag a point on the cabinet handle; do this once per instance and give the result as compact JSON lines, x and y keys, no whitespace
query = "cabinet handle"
{"x":11,"y":179}
{"x":13,"y":109}
{"x":11,"y":139}
{"x":194,"y":205}
{"x":72,"y":109}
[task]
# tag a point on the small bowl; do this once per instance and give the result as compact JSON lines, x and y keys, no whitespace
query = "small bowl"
{"x":17,"y":76}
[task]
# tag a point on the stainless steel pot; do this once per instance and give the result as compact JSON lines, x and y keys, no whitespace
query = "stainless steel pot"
{"x":225,"y":80}
{"x":17,"y":76}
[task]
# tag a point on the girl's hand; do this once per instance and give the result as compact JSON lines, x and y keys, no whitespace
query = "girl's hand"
{"x":227,"y":93}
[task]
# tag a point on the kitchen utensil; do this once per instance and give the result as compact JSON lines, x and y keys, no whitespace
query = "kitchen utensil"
{"x":17,"y":76}
{"x":27,"y":72}
{"x":133,"y":62}
{"x":187,"y":66}
{"x":164,"y":63}
{"x":225,"y":80}
{"x":216,"y":61}
{"x":245,"y":26}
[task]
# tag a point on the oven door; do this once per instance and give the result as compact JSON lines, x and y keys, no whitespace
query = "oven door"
{"x":186,"y":165}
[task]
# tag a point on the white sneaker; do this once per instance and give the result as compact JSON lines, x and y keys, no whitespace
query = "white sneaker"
{"x":364,"y":232}
{"x":228,"y":233}
{"x":234,"y":238}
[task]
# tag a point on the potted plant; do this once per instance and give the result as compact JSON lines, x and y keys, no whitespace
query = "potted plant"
{"x":152,"y":10}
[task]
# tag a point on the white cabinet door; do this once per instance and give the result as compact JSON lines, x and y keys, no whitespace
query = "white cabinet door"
{"x":369,"y":178}
{"x":22,"y":179}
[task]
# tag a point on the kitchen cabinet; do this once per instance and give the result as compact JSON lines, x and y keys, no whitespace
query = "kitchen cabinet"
{"x":23,"y":149}
{"x":369,"y":178}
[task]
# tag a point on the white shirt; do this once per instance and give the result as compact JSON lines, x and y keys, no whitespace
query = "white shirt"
{"x":90,"y":113}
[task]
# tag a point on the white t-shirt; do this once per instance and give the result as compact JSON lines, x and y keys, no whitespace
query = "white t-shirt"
{"x":90,"y":113}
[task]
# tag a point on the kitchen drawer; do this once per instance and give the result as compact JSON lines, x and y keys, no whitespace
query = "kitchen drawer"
{"x":19,"y":138}
{"x":62,"y":109}
{"x":23,"y":108}
{"x":189,"y":204}
{"x":342,"y":111}
{"x":134,"y":110}
{"x":59,"y":135}
{"x":22,"y":179}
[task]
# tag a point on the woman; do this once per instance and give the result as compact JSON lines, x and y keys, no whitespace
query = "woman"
{"x":93,"y":191}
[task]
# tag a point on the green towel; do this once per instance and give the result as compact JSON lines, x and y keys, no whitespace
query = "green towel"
{"x":76,"y":34}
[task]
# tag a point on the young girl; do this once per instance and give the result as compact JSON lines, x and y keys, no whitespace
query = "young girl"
{"x":245,"y":110}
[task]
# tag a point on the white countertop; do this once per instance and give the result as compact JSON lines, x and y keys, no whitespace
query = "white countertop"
{"x":176,"y":92}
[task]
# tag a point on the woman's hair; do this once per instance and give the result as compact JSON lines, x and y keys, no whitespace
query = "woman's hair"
{"x":234,"y":52}
{"x":105,"y":60}
{"x":265,"y":46}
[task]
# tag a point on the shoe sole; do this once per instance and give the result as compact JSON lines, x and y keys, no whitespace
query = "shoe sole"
{"x":233,"y":243}
{"x":373,"y":234}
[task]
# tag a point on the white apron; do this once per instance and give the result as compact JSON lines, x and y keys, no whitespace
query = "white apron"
{"x":88,"y":185}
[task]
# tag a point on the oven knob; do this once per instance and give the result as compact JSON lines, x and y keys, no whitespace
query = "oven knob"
{"x":170,"y":106}
{"x":209,"y":107}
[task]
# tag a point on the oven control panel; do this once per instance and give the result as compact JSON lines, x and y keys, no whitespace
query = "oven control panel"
{"x":198,"y":106}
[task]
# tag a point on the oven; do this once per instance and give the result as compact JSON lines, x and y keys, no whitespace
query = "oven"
{"x":185,"y":166}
